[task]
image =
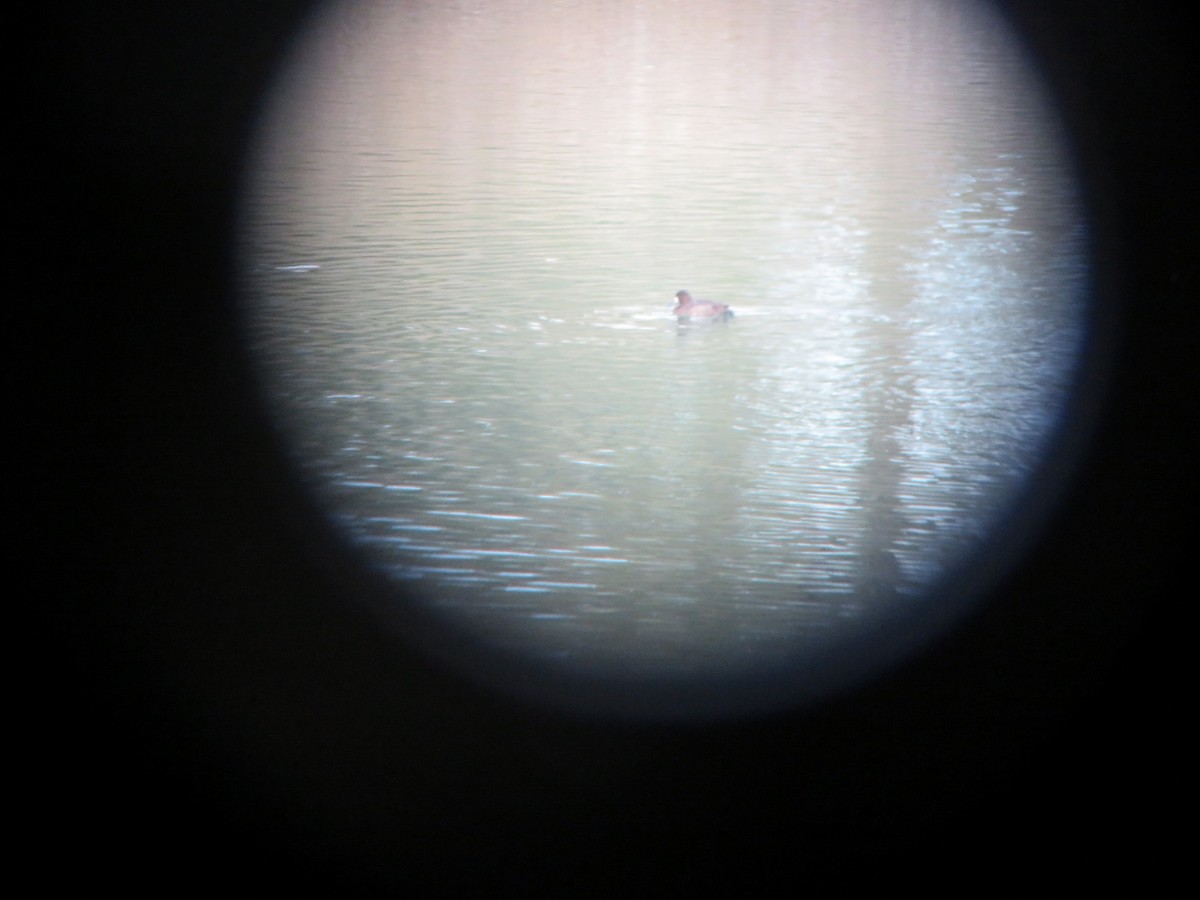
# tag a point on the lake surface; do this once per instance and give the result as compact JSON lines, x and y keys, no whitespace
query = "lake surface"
{"x":465,"y":224}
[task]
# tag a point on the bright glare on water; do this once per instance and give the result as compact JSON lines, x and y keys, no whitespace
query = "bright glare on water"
{"x":464,"y":228}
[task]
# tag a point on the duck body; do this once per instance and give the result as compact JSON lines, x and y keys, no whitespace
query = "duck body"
{"x":687,"y":307}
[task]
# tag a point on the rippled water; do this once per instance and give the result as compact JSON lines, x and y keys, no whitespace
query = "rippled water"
{"x":466,"y":227}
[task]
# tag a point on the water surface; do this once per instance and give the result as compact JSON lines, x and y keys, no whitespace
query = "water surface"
{"x":466,"y":225}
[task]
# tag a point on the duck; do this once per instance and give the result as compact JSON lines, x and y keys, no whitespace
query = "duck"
{"x":687,"y":307}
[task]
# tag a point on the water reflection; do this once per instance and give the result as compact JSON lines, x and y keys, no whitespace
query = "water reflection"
{"x":467,"y":227}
